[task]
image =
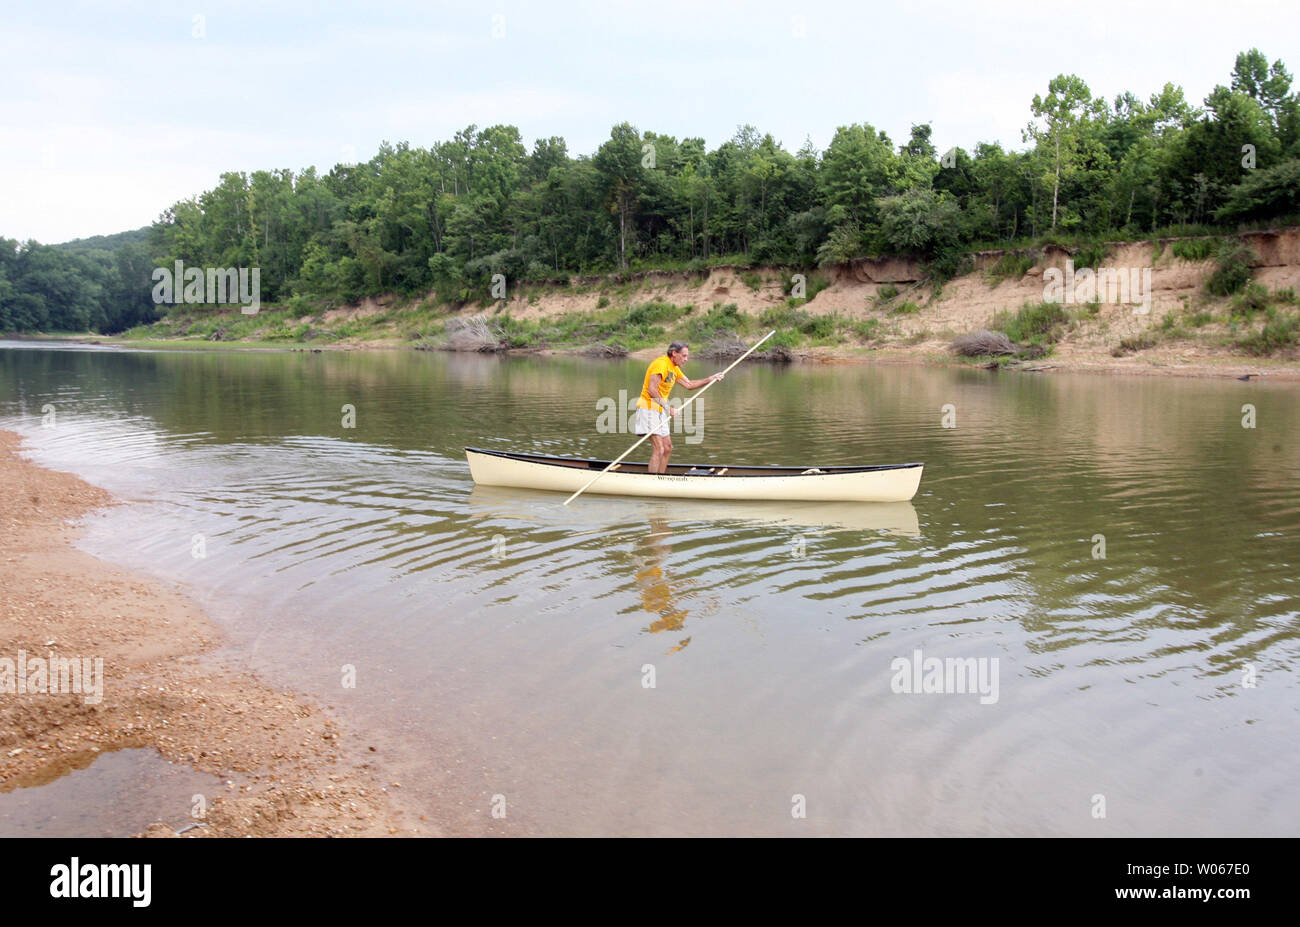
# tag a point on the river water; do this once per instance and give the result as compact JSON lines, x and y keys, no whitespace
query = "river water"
{"x":1113,"y":558}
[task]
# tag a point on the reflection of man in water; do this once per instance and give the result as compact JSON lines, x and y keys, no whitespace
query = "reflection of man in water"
{"x":656,"y":594}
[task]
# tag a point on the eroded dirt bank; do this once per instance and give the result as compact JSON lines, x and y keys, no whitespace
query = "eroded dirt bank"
{"x":885,"y":311}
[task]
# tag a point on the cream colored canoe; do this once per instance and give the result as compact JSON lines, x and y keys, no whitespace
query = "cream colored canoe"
{"x":896,"y":483}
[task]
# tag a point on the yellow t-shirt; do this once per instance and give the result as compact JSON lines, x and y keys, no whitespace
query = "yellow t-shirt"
{"x":670,"y":373}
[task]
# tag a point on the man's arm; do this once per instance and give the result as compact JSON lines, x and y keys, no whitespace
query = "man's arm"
{"x":696,"y":384}
{"x":656,"y":389}
{"x":656,"y":381}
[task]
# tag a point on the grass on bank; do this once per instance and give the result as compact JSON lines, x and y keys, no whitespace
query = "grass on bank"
{"x":654,"y":324}
{"x":1011,"y":266}
{"x":1255,"y":321}
{"x":1040,"y":325}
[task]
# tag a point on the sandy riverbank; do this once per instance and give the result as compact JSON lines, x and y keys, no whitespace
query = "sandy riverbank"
{"x":288,"y":768}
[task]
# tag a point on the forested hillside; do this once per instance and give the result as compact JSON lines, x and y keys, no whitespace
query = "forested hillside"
{"x":447,"y":217}
{"x":101,"y":284}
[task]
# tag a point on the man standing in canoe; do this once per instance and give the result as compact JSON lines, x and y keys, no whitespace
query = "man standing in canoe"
{"x":652,"y":410}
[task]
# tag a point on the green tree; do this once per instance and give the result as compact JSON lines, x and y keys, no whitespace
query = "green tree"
{"x":1270,"y":86}
{"x":920,"y":221}
{"x":1060,"y":131}
{"x":619,"y":164}
{"x":857,"y":169}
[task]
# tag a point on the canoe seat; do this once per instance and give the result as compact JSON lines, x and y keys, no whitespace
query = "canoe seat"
{"x":696,"y":471}
{"x":809,"y":471}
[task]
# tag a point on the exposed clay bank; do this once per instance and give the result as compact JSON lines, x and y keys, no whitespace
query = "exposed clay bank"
{"x":883,"y":312}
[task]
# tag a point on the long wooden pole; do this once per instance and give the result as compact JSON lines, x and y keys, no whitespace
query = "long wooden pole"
{"x":616,"y":461}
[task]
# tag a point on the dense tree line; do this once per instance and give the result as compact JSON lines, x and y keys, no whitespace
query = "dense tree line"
{"x":100,"y":284}
{"x":449,"y":216}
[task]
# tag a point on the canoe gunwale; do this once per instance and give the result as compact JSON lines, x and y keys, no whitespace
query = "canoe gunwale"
{"x":744,"y":469}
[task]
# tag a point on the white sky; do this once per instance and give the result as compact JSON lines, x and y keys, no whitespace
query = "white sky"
{"x":110,"y":112}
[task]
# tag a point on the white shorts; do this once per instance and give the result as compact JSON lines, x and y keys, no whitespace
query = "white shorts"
{"x":651,"y":422}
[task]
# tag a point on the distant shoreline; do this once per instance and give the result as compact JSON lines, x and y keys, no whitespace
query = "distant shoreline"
{"x":1151,"y":363}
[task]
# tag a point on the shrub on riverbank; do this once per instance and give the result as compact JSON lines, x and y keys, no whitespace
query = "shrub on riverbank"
{"x":473,"y":334}
{"x":1093,"y":255}
{"x":1011,"y":266}
{"x":983,"y":343}
{"x":814,"y":283}
{"x":1280,"y":332}
{"x":1195,"y":249}
{"x":817,"y":327}
{"x":1232,"y":273}
{"x":1041,"y":324}
{"x":1133,"y":345}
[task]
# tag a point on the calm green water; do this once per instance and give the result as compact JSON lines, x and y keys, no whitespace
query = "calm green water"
{"x":502,"y":643}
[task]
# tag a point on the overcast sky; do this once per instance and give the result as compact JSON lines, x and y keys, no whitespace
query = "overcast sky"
{"x":113,"y":111}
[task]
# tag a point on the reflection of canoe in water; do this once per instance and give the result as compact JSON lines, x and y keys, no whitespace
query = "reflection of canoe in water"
{"x":897,"y":483}
{"x":894,"y":517}
{"x":898,"y":518}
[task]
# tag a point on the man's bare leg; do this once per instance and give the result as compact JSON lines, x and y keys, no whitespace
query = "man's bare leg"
{"x":663,"y":447}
